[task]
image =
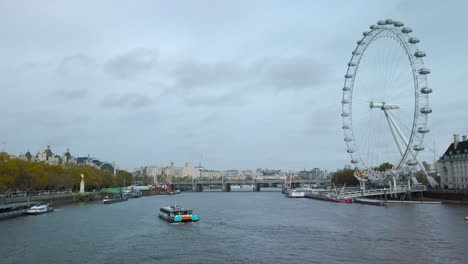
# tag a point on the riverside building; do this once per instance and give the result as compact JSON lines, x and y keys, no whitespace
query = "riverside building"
{"x":453,"y":165}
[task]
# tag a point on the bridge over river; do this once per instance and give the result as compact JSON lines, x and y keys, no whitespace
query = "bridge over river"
{"x":197,"y":185}
{"x":345,"y":193}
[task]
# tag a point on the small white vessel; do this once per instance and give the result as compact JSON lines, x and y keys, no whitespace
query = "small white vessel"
{"x":40,"y":209}
{"x":108,"y":200}
{"x":295,"y":193}
{"x":242,"y":188}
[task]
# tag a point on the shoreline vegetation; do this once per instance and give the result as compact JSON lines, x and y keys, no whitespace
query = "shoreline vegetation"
{"x":32,"y":177}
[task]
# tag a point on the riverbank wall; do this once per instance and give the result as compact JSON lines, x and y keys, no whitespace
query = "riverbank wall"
{"x":55,"y":199}
{"x":450,"y":196}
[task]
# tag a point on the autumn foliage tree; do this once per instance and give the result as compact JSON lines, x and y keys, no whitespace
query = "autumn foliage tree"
{"x":344,"y":177}
{"x":17,"y":174}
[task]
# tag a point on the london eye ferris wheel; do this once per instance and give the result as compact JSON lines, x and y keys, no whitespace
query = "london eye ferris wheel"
{"x":385,"y":102}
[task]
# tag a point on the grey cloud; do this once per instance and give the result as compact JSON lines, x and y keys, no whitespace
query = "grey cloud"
{"x":291,"y":73}
{"x":322,"y":122}
{"x":210,"y":119}
{"x":223,"y":82}
{"x":76,"y":65}
{"x":132,"y":64}
{"x":130,"y":100}
{"x":194,"y":73}
{"x":50,"y":120}
{"x":214,"y":100}
{"x":59,"y":140}
{"x":74,"y":71}
{"x":72,"y":93}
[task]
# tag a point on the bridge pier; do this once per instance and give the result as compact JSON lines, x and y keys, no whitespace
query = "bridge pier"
{"x":170,"y":187}
{"x":197,"y":188}
{"x":226,"y":187}
{"x":256,"y":187}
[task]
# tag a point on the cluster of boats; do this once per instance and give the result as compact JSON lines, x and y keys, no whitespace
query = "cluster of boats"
{"x":315,"y":193}
{"x":121,"y":197}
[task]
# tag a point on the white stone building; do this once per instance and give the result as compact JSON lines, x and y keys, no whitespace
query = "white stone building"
{"x":211,"y":174}
{"x":453,"y":165}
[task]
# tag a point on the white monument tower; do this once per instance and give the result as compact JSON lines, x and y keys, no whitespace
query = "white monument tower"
{"x":82,"y":185}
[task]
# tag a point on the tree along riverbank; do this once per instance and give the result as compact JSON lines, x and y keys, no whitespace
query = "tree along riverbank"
{"x":22,"y":175}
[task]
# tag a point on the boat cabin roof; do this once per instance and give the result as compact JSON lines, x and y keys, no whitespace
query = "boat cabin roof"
{"x":175,"y":208}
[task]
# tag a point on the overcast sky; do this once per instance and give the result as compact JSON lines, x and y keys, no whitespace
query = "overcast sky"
{"x":250,"y":84}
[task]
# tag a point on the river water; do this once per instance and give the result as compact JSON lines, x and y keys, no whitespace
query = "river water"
{"x":239,"y":227}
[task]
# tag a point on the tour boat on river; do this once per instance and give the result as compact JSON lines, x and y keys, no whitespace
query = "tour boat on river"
{"x":40,"y":209}
{"x":177,"y":214}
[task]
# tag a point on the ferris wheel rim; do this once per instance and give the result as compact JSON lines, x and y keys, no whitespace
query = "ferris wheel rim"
{"x":419,"y":73}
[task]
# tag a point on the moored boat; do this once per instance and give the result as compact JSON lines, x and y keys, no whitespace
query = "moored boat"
{"x":40,"y":209}
{"x":342,"y":200}
{"x":295,"y":194}
{"x":15,"y":209}
{"x":108,"y":200}
{"x":177,"y":214}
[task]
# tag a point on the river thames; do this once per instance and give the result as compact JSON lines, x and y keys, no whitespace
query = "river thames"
{"x":239,"y":227}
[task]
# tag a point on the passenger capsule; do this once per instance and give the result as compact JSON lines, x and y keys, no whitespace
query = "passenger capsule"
{"x":374,"y":27}
{"x":418,"y":148}
{"x":424,"y":71}
{"x":351,"y":150}
{"x":345,"y":127}
{"x":348,"y":139}
{"x":425,"y":110}
{"x":365,"y":33}
{"x":406,"y":30}
{"x":361,"y":42}
{"x":381,"y":22}
{"x":346,"y":89}
{"x":389,"y":21}
{"x":345,"y":102}
{"x":398,"y":24}
{"x":345,"y":114}
{"x":420,"y":54}
{"x":356,"y":52}
{"x":423,"y":130}
{"x":413,"y":40}
{"x":426,"y":90}
{"x":348,"y":76}
{"x":354,"y":161}
{"x":412,"y":162}
{"x":351,"y":64}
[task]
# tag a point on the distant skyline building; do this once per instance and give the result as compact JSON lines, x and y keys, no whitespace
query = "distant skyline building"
{"x":47,"y":156}
{"x":196,"y":172}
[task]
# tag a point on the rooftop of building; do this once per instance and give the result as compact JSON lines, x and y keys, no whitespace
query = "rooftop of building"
{"x":457,"y":146}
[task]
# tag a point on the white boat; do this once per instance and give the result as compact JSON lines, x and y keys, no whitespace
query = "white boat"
{"x":242,"y":188}
{"x":108,"y":200}
{"x":294,"y":193}
{"x":40,"y":209}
